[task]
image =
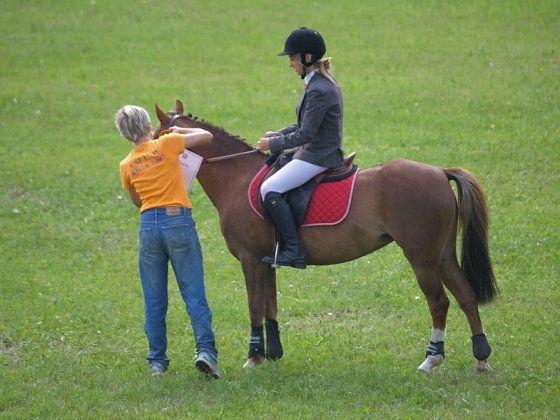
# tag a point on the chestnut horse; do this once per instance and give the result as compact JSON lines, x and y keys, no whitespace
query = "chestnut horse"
{"x":407,"y":202}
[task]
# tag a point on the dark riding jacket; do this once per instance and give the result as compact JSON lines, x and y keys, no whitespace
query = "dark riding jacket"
{"x":318,"y":131}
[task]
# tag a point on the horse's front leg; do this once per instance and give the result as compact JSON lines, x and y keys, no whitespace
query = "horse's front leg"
{"x":273,"y":345}
{"x":260,"y":282}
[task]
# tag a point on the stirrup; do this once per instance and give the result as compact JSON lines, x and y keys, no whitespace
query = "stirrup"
{"x":284,"y":261}
{"x":276,"y":251}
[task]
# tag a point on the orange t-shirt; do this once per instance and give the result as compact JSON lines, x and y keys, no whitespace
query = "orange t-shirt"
{"x":154,"y":170}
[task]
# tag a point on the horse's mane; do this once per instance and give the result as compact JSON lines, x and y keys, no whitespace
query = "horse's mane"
{"x":215,"y":129}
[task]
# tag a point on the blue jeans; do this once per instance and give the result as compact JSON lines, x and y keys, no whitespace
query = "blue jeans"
{"x":169,"y":234}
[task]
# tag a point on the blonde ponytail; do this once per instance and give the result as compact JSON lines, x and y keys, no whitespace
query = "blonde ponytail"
{"x":323,"y":65}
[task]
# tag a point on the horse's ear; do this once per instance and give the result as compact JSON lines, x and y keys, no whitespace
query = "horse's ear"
{"x":163,"y":119}
{"x":179,"y":107}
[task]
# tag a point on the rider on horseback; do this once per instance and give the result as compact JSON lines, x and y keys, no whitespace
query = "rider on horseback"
{"x":317,"y":134}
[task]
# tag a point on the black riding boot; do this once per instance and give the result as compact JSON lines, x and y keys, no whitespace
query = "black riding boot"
{"x":293,"y":254}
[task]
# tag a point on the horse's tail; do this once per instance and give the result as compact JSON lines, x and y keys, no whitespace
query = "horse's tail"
{"x":473,"y":221}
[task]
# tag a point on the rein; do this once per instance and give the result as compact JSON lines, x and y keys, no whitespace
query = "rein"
{"x":215,"y":159}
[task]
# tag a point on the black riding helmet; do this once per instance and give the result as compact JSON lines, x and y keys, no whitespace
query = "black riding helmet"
{"x":305,"y":41}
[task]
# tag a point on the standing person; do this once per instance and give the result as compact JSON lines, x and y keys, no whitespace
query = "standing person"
{"x":317,"y":133}
{"x":152,"y":175}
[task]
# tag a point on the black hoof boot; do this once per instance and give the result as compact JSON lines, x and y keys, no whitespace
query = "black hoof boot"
{"x":481,"y":348}
{"x":256,"y":342}
{"x":273,"y":346}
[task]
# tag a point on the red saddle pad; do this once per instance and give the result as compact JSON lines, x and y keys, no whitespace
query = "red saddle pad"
{"x":329,"y":203}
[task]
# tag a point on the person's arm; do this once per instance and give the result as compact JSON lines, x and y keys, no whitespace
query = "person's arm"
{"x":193,"y":136}
{"x":135,"y":197}
{"x":287,"y":130}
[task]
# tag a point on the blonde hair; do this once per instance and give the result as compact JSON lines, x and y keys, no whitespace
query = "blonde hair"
{"x":323,"y":65}
{"x":133,"y":122}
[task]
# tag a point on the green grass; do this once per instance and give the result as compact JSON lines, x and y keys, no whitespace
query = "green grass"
{"x":472,"y":84}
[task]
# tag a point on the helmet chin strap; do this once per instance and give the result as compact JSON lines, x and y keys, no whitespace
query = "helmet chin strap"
{"x":304,"y":66}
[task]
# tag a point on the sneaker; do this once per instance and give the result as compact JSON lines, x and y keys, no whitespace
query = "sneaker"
{"x":206,"y":364}
{"x":157,"y":368}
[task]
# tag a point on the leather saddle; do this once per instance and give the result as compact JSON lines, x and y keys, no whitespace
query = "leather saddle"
{"x":299,"y":197}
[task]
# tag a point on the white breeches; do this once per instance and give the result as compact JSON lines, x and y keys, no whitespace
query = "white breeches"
{"x":295,"y":173}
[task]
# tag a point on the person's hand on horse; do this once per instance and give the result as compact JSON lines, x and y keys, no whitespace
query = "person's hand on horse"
{"x":262,"y":144}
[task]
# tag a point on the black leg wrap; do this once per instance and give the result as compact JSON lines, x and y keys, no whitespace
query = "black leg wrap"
{"x":435,"y":348}
{"x":273,"y":346}
{"x":481,"y":348}
{"x":256,"y":342}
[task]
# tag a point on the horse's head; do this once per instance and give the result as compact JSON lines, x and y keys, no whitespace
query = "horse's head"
{"x":167,"y":119}
{"x":223,"y":143}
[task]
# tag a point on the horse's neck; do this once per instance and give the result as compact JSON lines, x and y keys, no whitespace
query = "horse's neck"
{"x":225,"y":180}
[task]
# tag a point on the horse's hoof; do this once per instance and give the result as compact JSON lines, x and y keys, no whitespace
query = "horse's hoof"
{"x":430,"y":363}
{"x":482,"y":366}
{"x":254,"y":361}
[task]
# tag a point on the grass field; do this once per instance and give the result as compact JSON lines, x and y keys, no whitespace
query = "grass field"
{"x":471,"y":83}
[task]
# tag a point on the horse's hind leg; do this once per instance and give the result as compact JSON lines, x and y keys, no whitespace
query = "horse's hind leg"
{"x":457,"y":284}
{"x":430,"y":278}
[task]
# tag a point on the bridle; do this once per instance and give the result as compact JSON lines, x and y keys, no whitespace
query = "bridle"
{"x":174,"y":119}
